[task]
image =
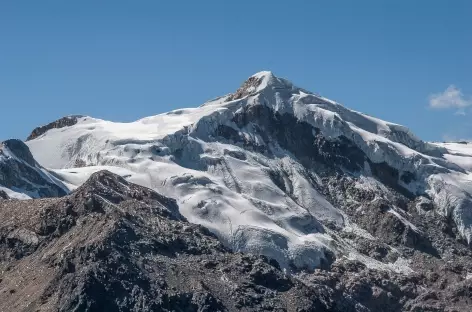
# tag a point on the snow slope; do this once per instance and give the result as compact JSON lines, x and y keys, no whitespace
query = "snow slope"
{"x":259,"y":194}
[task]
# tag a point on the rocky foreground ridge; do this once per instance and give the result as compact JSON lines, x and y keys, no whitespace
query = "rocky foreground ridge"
{"x":115,"y":246}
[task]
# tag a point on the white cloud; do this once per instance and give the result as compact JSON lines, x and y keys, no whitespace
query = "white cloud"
{"x":452,"y":97}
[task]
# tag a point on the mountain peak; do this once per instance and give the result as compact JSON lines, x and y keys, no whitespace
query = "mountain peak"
{"x":263,"y":80}
{"x":264,"y":74}
{"x":266,"y":79}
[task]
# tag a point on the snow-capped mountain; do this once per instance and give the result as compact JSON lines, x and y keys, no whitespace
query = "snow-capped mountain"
{"x":277,"y":170}
{"x":358,"y":213}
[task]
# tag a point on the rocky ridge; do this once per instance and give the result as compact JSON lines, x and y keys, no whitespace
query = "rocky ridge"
{"x":57,"y":124}
{"x":115,"y":246}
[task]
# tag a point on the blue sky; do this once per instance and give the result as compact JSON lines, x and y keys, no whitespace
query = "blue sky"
{"x":404,"y":61}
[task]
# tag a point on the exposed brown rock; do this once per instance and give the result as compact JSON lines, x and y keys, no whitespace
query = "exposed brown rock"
{"x":60,"y":123}
{"x":248,"y":87}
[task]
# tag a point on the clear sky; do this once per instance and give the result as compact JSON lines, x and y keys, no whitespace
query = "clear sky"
{"x":408,"y":62}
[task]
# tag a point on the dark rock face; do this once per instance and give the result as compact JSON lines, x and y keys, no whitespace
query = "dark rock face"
{"x":20,"y":150}
{"x":380,"y":219}
{"x":4,"y":195}
{"x":22,"y":172}
{"x":357,"y":288}
{"x":115,"y":246}
{"x":60,"y":123}
{"x":307,"y":144}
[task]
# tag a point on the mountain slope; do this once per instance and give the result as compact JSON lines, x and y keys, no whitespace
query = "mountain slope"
{"x":22,"y":177}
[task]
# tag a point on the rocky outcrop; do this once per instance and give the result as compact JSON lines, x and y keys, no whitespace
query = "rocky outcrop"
{"x":4,"y":195}
{"x":351,"y":286}
{"x":57,"y":124}
{"x":248,"y":87}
